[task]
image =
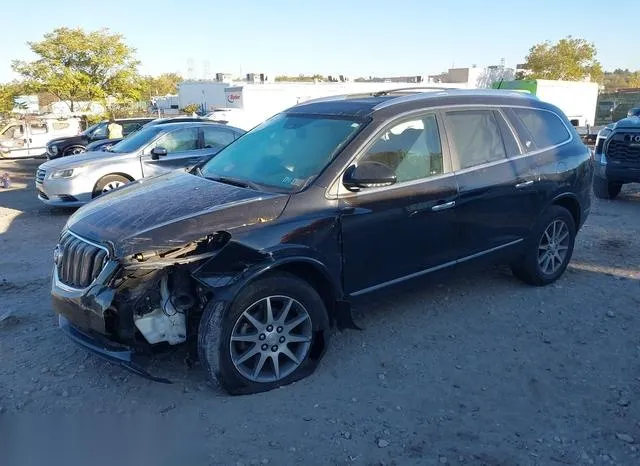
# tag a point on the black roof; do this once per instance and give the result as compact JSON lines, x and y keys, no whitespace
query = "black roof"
{"x":364,"y":105}
{"x":186,"y":124}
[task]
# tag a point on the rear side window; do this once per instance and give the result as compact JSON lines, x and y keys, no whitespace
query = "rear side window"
{"x":130,"y":127}
{"x":215,"y":138}
{"x":60,"y":125}
{"x":543,"y":129}
{"x":476,"y":137}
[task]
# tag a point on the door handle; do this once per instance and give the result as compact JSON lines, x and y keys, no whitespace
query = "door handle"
{"x":524,"y":184}
{"x":445,"y":206}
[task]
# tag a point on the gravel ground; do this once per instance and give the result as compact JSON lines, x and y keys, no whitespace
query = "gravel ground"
{"x":475,"y":368}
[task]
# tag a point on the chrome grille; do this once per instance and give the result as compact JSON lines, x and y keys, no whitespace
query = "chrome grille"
{"x":621,"y":147}
{"x":40,"y":174}
{"x":78,"y":262}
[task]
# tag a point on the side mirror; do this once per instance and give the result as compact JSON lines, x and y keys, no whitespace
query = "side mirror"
{"x":368,"y":175}
{"x":158,"y":152}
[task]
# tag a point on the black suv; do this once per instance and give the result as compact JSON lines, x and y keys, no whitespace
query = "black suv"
{"x":72,"y":145}
{"x":251,"y":256}
{"x":617,"y":154}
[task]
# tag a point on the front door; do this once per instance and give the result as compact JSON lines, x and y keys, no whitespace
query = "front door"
{"x":499,"y":199}
{"x":16,"y":138}
{"x":182,"y":151}
{"x":397,"y":232}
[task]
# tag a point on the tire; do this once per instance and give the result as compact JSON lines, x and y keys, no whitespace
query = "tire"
{"x":604,"y":189}
{"x":74,"y":150}
{"x":222,"y":358}
{"x":108,"y":183}
{"x":531,"y":266}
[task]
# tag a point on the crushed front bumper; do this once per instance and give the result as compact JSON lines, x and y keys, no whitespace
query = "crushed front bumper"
{"x":113,"y":352}
{"x":81,"y":316}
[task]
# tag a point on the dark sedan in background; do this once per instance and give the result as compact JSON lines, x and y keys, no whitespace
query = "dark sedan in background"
{"x":72,"y":145}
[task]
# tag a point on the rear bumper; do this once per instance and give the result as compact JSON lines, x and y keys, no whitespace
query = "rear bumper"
{"x":99,"y":345}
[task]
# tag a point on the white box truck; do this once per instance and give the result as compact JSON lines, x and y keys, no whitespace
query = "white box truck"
{"x":577,"y":99}
{"x":247,"y":105}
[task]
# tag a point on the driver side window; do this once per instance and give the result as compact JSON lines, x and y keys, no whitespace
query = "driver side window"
{"x":411,"y":149}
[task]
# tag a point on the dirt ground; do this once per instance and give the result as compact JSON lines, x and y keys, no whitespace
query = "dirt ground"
{"x":475,"y":369}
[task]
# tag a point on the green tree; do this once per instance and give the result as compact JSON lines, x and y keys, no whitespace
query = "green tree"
{"x":568,"y":59}
{"x":191,"y":108}
{"x":8,"y":93}
{"x":618,"y":79}
{"x":166,"y":83}
{"x":74,"y":65}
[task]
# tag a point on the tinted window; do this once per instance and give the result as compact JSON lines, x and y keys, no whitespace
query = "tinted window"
{"x":179,"y":140}
{"x":216,"y":138}
{"x":476,"y":137}
{"x":100,"y":131}
{"x":412,"y":149}
{"x":285,"y":152}
{"x":545,"y":128}
{"x":136,"y":140}
{"x":508,"y":138}
{"x":130,"y":127}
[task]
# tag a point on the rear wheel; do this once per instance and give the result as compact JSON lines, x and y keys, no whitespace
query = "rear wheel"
{"x":109,"y":183}
{"x":604,"y":189}
{"x":549,"y":249}
{"x":272,"y":334}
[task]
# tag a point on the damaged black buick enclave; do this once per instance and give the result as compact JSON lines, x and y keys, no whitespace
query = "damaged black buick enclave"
{"x":253,"y":255}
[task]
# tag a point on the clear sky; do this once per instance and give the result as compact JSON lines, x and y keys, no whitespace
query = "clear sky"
{"x":351,"y":37}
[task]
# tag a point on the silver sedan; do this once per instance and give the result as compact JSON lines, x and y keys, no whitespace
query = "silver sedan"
{"x":74,"y":180}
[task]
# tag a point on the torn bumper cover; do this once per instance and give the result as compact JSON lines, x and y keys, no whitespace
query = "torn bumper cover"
{"x":81,"y":316}
{"x":106,"y":349}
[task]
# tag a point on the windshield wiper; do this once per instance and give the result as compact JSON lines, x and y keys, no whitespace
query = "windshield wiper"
{"x":234,"y":182}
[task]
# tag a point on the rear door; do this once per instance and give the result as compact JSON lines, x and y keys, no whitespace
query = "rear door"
{"x":38,"y":137}
{"x":182,"y":147}
{"x":498,"y":198}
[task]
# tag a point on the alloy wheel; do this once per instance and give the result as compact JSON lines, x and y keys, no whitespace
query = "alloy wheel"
{"x":112,"y":185}
{"x":553,"y":247}
{"x":270,"y":339}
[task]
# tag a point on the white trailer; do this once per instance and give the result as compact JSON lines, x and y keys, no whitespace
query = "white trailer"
{"x":206,"y":94}
{"x":246,"y":105}
{"x":577,"y":99}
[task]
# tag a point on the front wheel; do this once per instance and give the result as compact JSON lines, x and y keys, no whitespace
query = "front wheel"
{"x":273,"y":333}
{"x":109,"y":183}
{"x":549,"y":249}
{"x":603,"y":189}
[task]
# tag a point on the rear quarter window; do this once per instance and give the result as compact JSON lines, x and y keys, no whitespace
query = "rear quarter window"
{"x":542,"y":129}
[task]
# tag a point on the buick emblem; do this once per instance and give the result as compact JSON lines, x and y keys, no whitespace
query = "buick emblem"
{"x":57,"y":255}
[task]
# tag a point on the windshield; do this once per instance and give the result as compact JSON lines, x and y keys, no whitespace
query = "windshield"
{"x":285,"y":152}
{"x":136,"y":140}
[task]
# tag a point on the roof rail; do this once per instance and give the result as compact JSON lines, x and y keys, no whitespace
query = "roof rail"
{"x":415,"y":88}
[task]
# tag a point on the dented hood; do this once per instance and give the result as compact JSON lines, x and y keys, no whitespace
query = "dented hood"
{"x":170,"y":210}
